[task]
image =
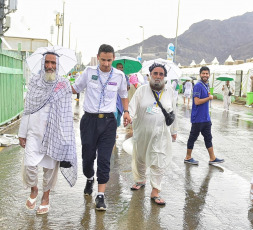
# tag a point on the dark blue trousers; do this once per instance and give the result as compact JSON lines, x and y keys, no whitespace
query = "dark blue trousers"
{"x":205,"y":129}
{"x":98,"y":138}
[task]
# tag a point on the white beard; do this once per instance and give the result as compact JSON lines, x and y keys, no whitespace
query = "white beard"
{"x":50,"y":76}
{"x":155,"y":85}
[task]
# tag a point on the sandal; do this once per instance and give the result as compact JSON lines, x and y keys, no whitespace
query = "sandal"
{"x":136,"y":185}
{"x":32,"y":201}
{"x":155,"y":198}
{"x":43,"y":207}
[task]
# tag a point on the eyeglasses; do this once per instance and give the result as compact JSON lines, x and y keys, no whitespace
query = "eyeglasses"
{"x":158,"y":73}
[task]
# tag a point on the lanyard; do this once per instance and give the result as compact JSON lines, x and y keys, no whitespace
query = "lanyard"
{"x":206,"y":87}
{"x":159,"y":96}
{"x":102,"y":94}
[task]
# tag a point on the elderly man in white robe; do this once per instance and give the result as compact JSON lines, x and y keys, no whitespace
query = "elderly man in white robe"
{"x":46,"y":132}
{"x":152,"y":138}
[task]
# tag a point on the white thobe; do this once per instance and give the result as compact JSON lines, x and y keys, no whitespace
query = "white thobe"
{"x":32,"y":128}
{"x":187,"y":89}
{"x":226,"y":98}
{"x":151,"y":137}
{"x":174,"y":86}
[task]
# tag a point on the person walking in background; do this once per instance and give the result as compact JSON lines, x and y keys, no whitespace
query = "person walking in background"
{"x":46,"y":124}
{"x":175,"y":87}
{"x":200,"y":118}
{"x":119,"y":105}
{"x":227,"y":92}
{"x":187,"y":91}
{"x":152,"y":138}
{"x":98,"y":124}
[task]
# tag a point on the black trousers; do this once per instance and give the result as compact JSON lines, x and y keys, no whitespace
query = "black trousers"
{"x":98,"y":138}
{"x":203,"y":128}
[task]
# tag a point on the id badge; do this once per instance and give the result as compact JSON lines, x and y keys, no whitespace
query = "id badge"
{"x":152,"y":110}
{"x":149,"y":110}
{"x":155,"y":109}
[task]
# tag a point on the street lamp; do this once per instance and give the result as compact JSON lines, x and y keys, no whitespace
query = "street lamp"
{"x":176,"y":31}
{"x":142,"y":46}
{"x":63,"y":22}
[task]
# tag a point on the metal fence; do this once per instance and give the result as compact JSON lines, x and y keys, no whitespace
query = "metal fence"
{"x":11,"y":85}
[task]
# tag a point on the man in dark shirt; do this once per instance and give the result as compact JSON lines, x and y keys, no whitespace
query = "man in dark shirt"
{"x":200,"y":118}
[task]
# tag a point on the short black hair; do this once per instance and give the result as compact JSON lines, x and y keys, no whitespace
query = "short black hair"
{"x":119,"y":64}
{"x":158,"y":65}
{"x":106,"y":49}
{"x":204,"y":68}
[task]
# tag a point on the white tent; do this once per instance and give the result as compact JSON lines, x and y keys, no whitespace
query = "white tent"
{"x":193,"y":63}
{"x":215,"y":61}
{"x":246,"y":69}
{"x":203,"y":62}
{"x":230,"y":59}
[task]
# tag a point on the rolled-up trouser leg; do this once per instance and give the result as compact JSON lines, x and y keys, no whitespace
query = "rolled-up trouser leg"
{"x":30,"y":176}
{"x":50,"y":177}
{"x":156,"y":175}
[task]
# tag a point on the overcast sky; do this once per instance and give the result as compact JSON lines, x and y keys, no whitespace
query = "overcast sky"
{"x":116,"y":22}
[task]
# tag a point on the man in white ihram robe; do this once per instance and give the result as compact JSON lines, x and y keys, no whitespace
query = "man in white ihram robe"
{"x":46,"y":132}
{"x":152,"y":138}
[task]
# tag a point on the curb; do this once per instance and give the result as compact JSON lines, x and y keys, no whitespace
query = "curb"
{"x":9,"y":126}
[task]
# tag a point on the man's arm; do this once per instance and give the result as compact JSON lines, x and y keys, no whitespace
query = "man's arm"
{"x":126,"y":115}
{"x":201,"y":101}
{"x":73,"y":90}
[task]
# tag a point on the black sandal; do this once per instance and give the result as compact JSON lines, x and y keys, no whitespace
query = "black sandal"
{"x":155,"y":198}
{"x":137,"y":184}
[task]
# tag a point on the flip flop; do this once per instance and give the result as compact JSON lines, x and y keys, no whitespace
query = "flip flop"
{"x":43,"y":207}
{"x":137,"y":184}
{"x":32,"y":201}
{"x":155,"y":198}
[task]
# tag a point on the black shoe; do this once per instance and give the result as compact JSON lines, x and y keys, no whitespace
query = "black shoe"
{"x":100,"y":203}
{"x":89,"y":187}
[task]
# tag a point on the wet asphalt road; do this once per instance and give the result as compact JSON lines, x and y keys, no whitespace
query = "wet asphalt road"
{"x":198,"y":197}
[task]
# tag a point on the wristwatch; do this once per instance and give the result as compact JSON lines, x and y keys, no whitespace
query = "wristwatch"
{"x":126,"y":111}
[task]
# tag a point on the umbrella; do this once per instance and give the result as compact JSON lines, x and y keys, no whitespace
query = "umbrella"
{"x":67,"y":59}
{"x":193,"y":78}
{"x":131,"y":65}
{"x":185,"y":78}
{"x":225,"y":78}
{"x":173,"y":71}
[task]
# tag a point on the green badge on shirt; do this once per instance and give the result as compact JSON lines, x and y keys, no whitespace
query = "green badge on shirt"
{"x":94,"y":77}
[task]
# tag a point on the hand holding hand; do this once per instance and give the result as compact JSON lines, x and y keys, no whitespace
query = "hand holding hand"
{"x":22,"y":142}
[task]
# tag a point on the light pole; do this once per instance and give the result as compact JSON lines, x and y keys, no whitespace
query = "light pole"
{"x":175,"y":53}
{"x":63,"y":22}
{"x":142,"y":46}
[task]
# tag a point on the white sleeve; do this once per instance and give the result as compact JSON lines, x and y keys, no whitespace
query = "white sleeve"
{"x":81,"y":81}
{"x":122,"y":91}
{"x":133,"y":105}
{"x":174,"y":126}
{"x":23,"y":126}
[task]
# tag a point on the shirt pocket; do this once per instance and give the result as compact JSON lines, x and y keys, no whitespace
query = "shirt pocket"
{"x":93,"y":85}
{"x":111,"y":91}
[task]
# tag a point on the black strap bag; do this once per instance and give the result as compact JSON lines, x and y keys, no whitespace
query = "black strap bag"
{"x":169,"y":117}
